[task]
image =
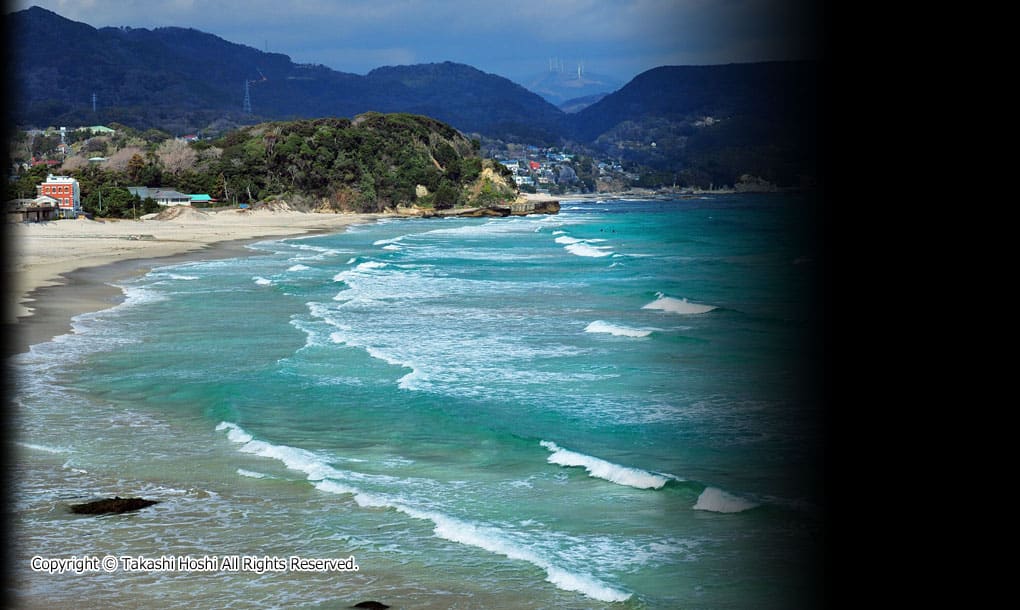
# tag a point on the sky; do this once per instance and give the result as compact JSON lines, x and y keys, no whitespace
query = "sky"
{"x":512,"y":38}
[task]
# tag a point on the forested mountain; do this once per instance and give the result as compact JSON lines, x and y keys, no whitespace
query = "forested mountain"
{"x":725,"y":120}
{"x":182,"y":79}
{"x":368,"y":164}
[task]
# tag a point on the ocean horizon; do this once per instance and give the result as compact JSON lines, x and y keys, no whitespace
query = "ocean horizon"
{"x":607,"y":407}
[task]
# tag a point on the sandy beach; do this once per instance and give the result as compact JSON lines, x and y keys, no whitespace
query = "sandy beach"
{"x":59,"y":269}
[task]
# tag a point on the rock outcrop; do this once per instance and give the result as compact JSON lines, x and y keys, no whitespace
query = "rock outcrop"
{"x":113,"y":505}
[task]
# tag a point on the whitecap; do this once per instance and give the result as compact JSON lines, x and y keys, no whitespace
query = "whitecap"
{"x":563,"y":239}
{"x":601,"y":469}
{"x":298,"y":268}
{"x":251,"y":474}
{"x":385,"y":242}
{"x":261,"y":281}
{"x":679,"y":306}
{"x":175,"y":276}
{"x":599,"y":326}
{"x":43,"y":448}
{"x":582,"y":249}
{"x":718,"y":501}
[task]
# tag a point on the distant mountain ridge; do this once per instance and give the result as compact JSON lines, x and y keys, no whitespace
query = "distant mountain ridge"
{"x":559,"y":86}
{"x":140,"y":76}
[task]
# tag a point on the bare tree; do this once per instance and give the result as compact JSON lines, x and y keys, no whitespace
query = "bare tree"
{"x":72,"y":163}
{"x":118,"y":161}
{"x":176,"y":156}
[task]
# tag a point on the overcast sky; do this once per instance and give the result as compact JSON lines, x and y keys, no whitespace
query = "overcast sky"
{"x":512,"y":38}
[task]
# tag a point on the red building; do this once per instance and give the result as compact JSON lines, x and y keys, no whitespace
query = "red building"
{"x":67,"y":193}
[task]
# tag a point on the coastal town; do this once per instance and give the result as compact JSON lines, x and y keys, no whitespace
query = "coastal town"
{"x":42,"y":185}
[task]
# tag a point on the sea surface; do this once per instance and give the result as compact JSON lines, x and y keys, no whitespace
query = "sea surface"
{"x":604,"y":408}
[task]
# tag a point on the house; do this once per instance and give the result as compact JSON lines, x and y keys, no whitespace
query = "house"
{"x":162,"y":196}
{"x":169,"y":197}
{"x":200,"y":199}
{"x":67,"y":193}
{"x":32,"y":210}
{"x":99,"y":130}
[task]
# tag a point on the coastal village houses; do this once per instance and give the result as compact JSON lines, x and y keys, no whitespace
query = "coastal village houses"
{"x":66,"y":192}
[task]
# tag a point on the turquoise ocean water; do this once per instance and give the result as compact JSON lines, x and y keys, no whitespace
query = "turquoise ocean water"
{"x":601,"y":408}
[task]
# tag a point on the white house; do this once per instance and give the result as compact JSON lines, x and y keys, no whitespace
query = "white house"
{"x":164,"y":197}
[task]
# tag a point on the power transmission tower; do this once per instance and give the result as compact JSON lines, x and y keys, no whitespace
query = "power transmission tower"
{"x":247,"y":98}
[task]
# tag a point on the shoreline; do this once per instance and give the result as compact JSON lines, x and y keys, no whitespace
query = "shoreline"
{"x":50,"y":290}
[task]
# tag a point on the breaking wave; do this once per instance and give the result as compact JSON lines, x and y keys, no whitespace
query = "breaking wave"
{"x":679,"y":306}
{"x":601,"y":469}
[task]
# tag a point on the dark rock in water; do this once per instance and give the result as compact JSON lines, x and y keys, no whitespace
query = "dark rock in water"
{"x":370,"y":605}
{"x":111,"y":505}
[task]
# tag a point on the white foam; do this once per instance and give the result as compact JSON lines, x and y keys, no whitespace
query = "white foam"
{"x":601,"y":469}
{"x":598,"y":326}
{"x":292,"y":457}
{"x":488,"y":538}
{"x":261,"y":281}
{"x":557,"y":232}
{"x":679,"y":306}
{"x":563,"y":239}
{"x":298,"y":268}
{"x":719,"y":501}
{"x":370,"y":265}
{"x":385,"y":242}
{"x":43,"y":448}
{"x":234,"y":432}
{"x":351,"y":260}
{"x":492,"y":540}
{"x":251,"y":474}
{"x":391,"y":247}
{"x":583,"y":249}
{"x":175,"y":276}
{"x":135,"y":295}
{"x":360,"y":268}
{"x":587,"y":585}
{"x":410,"y":381}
